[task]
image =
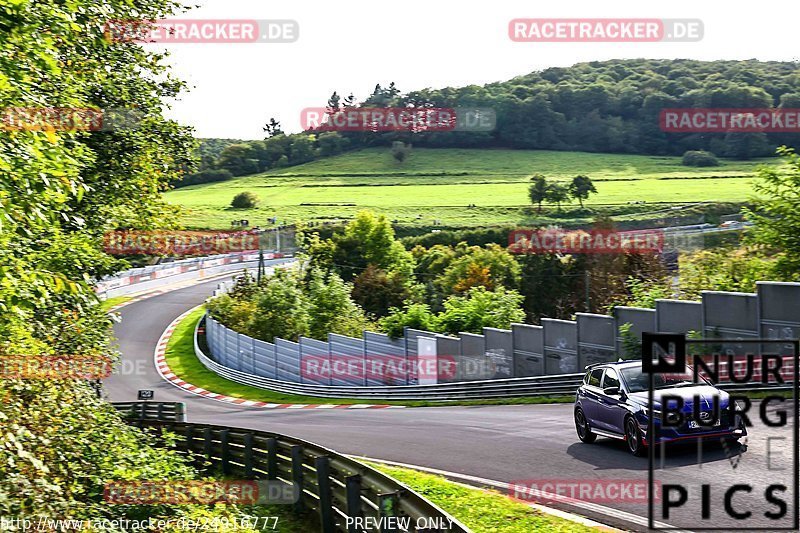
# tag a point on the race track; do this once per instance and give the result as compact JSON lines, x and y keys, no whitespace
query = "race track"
{"x":501,"y":443}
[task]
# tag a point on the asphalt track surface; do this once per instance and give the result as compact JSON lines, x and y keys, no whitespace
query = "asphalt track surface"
{"x":512,"y":444}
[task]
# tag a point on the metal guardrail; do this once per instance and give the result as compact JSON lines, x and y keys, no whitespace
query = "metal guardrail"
{"x":552,"y":385}
{"x":555,"y":385}
{"x":331,"y":485}
{"x":175,"y":411}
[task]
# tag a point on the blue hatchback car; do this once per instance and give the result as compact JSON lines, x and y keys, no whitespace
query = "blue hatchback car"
{"x":612,"y":402}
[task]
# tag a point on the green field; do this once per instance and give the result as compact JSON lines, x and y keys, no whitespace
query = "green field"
{"x":439,"y":184}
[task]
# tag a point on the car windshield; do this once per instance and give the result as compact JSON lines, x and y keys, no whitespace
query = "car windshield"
{"x":638,"y":381}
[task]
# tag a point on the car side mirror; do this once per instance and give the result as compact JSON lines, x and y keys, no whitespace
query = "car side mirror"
{"x":611,"y":391}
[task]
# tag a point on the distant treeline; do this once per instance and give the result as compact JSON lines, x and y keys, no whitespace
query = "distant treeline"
{"x":600,"y":106}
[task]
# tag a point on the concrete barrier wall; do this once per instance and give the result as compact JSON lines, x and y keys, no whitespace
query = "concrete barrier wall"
{"x":555,"y":347}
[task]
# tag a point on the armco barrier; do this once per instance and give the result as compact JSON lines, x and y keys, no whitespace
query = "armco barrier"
{"x":556,"y":348}
{"x":501,"y":388}
{"x":175,"y":411}
{"x":333,"y":487}
{"x":154,"y":276}
{"x":557,"y":385}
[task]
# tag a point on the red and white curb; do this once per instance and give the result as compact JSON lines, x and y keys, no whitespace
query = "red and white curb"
{"x":171,"y":377}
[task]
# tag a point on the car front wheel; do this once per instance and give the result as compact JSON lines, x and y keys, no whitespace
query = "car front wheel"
{"x":633,"y":437}
{"x":582,"y":427}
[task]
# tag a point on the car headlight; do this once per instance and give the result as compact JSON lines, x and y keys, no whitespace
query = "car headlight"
{"x":655,"y":412}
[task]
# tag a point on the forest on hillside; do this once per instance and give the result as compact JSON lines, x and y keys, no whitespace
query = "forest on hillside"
{"x":601,"y":106}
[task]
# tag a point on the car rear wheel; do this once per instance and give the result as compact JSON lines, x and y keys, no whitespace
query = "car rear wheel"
{"x":582,"y":427}
{"x":633,"y":437}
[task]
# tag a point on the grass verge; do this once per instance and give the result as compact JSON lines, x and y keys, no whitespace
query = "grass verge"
{"x":184,"y":363}
{"x":107,"y":304}
{"x":480,"y":509}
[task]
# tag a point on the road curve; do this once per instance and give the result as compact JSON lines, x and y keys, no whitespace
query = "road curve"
{"x":504,"y":443}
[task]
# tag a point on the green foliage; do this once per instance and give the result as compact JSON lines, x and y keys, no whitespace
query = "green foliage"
{"x":377,"y":291}
{"x":239,"y":159}
{"x":557,"y":194}
{"x":331,"y":309}
{"x":581,"y":187}
{"x":464,"y":271}
{"x":480,"y":308}
{"x":59,"y":191}
{"x":471,"y":312}
{"x":699,"y":158}
{"x":400,"y":151}
{"x":205,"y":176}
{"x":245,"y":200}
{"x":631,"y":343}
{"x":726,"y":269}
{"x":604,"y":106}
{"x":287,"y":306}
{"x":645,"y":292}
{"x":414,"y":316}
{"x":538,"y":191}
{"x":368,"y":239}
{"x":209,"y":150}
{"x":776,"y":214}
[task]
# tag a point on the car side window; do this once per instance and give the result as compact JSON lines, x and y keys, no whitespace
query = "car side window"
{"x":611,"y":378}
{"x":594,"y":377}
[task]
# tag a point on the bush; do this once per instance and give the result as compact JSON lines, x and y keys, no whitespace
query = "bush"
{"x":699,"y":158}
{"x":245,"y":200}
{"x":400,"y":151}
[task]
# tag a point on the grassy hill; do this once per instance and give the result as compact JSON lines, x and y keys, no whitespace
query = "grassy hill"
{"x":440,"y":183}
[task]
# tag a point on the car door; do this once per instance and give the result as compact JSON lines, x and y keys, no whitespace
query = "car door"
{"x":610,"y":411}
{"x":589,"y":395}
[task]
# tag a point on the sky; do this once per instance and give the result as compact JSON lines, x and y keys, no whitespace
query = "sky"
{"x":350,"y":46}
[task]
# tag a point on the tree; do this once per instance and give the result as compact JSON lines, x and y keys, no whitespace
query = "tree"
{"x":245,"y":200}
{"x":480,"y":308}
{"x":301,"y":149}
{"x":331,"y":143}
{"x":60,"y":190}
{"x":369,"y":239}
{"x":282,"y":310}
{"x":377,"y":291}
{"x":415,"y":316}
{"x":272,"y":128}
{"x":581,"y":187}
{"x":776,"y":212}
{"x":331,"y":310}
{"x":746,"y":145}
{"x":239,"y":159}
{"x":333,"y":104}
{"x":538,"y":191}
{"x":491,"y":266}
{"x":557,"y":193}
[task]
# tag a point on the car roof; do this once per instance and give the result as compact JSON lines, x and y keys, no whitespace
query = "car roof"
{"x":616,"y":364}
